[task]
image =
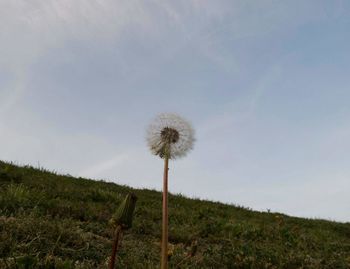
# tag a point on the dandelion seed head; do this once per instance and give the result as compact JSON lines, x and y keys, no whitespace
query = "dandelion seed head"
{"x":170,"y":135}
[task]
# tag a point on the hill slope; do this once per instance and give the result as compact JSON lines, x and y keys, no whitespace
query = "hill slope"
{"x":52,"y":221}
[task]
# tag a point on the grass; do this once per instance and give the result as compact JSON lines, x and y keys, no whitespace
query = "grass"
{"x":55,"y":221}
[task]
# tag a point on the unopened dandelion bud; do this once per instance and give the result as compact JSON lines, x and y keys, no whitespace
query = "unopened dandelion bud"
{"x":123,"y":215}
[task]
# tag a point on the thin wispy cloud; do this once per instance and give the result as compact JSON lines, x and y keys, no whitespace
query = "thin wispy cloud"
{"x":97,"y":170}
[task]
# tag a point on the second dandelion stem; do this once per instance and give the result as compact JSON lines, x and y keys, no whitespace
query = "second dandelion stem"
{"x":118,"y":234}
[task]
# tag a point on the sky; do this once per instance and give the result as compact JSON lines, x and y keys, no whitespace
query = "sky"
{"x":265,"y":85}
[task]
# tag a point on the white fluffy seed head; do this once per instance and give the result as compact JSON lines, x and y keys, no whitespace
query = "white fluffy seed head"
{"x":170,"y":135}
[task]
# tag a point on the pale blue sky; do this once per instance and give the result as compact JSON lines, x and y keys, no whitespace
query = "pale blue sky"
{"x":265,"y":84}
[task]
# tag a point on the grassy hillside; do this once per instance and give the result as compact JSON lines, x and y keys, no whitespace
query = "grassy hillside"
{"x":52,"y":221}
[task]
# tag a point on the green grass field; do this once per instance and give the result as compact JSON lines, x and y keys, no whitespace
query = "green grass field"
{"x":54,"y":221}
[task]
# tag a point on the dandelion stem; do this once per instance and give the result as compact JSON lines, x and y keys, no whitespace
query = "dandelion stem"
{"x":164,"y":255}
{"x":118,"y":233}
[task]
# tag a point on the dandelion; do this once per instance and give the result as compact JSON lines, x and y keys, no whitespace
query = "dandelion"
{"x":170,"y":137}
{"x":122,"y":220}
